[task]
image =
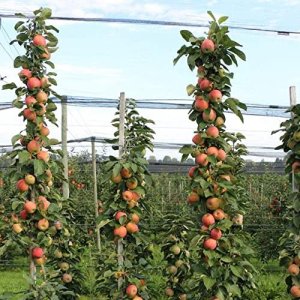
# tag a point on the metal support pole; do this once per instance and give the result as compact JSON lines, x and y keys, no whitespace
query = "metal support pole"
{"x":64,"y":139}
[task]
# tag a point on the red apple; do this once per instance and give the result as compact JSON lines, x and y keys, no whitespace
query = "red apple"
{"x":43,"y":155}
{"x":120,"y":214}
{"x":212,"y":131}
{"x":209,"y":117}
{"x":29,"y":114}
{"x":221,"y":155}
{"x":37,"y":252}
{"x":219,"y":214}
{"x":215,"y":96}
{"x":39,"y":40}
{"x":43,"y":203}
{"x":131,"y":291}
{"x":212,"y":151}
{"x":193,"y":198}
{"x":33,"y":83}
{"x":29,"y":101}
{"x":22,"y":186}
{"x":205,"y":84}
{"x":208,"y":219}
{"x":210,"y":244}
{"x":33,"y":146}
{"x":201,"y":104}
{"x":30,"y":207}
{"x":120,"y":231}
{"x":201,"y":159}
{"x":216,"y":233}
{"x":207,"y":46}
{"x":197,"y":139}
{"x":23,"y":214}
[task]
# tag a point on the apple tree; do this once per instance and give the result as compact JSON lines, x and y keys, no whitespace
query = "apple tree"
{"x":124,"y":203}
{"x":38,"y":223}
{"x":290,"y":241}
{"x":221,"y":257}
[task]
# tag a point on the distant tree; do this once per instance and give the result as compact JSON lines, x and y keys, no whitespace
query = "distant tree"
{"x":174,"y":160}
{"x":152,"y":158}
{"x":167,"y":159}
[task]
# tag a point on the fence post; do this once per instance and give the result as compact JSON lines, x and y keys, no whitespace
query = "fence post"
{"x":122,"y":107}
{"x":64,"y":139}
{"x":94,"y":167}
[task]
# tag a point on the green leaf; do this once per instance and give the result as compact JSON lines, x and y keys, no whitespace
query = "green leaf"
{"x":52,"y":80}
{"x":103,"y":223}
{"x":46,"y":13}
{"x":222,"y":19}
{"x":116,"y":169}
{"x":17,"y":103}
{"x":238,"y":52}
{"x":9,"y":86}
{"x":53,"y":142}
{"x":39,"y":167}
{"x":208,"y":282}
{"x":16,"y":204}
{"x":51,"y":107}
{"x":24,"y":156}
{"x":190,"y":89}
{"x":186,"y":149}
{"x":186,"y":34}
{"x":18,"y":24}
{"x":211,"y":15}
{"x":237,"y":271}
{"x":22,"y":37}
{"x":15,"y":138}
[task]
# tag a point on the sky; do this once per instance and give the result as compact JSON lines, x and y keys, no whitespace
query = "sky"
{"x":102,"y":60}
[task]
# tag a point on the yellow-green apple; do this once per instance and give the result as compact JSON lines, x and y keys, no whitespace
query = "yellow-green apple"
{"x":41,"y":96}
{"x":58,"y":225}
{"x":219,"y":121}
{"x":175,"y":249}
{"x":169,"y":292}
{"x":67,"y":278}
{"x":172,"y":269}
{"x":131,"y":183}
{"x":238,"y":219}
{"x":17,"y":228}
{"x":30,"y":179}
{"x":212,"y":203}
{"x":43,"y":224}
{"x":41,"y":110}
{"x":64,"y":266}
{"x":116,"y":179}
{"x":45,"y":82}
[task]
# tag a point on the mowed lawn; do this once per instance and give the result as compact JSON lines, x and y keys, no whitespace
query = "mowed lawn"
{"x":15,"y":281}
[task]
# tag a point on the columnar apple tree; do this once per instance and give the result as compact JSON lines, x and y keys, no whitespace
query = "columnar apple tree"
{"x":124,"y":205}
{"x":222,"y":265}
{"x":290,"y":241}
{"x":37,"y":215}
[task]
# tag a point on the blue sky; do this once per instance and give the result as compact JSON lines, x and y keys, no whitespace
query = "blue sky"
{"x":96,"y":59}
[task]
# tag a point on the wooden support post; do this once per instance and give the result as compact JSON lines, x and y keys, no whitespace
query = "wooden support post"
{"x":64,"y":139}
{"x":293,"y":102}
{"x":122,"y":108}
{"x":94,"y":167}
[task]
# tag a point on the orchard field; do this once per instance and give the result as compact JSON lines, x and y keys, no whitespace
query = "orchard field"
{"x":92,"y":227}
